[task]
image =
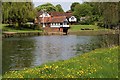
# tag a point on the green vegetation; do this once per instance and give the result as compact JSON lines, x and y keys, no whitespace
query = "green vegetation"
{"x":73,"y":5}
{"x":6,"y":28}
{"x":102,"y":12}
{"x":79,"y":27}
{"x":59,"y":8}
{"x":100,"y":63}
{"x":18,"y":13}
{"x":88,"y":11}
{"x":83,"y":10}
{"x":46,"y":6}
{"x":49,"y":7}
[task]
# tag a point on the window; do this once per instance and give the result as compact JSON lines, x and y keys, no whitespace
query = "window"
{"x":64,"y":23}
{"x":45,"y":13}
{"x":72,"y":18}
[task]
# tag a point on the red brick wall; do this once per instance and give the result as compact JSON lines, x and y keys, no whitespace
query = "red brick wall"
{"x":48,"y":29}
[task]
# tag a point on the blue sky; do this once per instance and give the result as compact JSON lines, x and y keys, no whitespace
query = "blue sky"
{"x":65,"y":4}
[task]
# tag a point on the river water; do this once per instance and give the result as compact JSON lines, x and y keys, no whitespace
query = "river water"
{"x":26,"y":52}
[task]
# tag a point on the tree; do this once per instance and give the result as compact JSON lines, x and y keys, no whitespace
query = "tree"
{"x":82,"y":10}
{"x":18,"y":12}
{"x":47,"y":6}
{"x":59,"y":8}
{"x":97,"y":14}
{"x":73,"y":5}
{"x":110,"y":12}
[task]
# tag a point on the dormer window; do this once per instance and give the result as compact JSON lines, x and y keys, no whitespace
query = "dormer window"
{"x":72,"y":18}
{"x":46,"y":14}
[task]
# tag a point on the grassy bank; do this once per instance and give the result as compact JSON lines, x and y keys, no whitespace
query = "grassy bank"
{"x":79,"y":27}
{"x":100,"y":63}
{"x":74,"y":28}
{"x":10,"y":29}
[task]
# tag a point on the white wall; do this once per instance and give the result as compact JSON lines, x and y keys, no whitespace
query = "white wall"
{"x":55,"y":25}
{"x":45,"y":15}
{"x":72,"y":19}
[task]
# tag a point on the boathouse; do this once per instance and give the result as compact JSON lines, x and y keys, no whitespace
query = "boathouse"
{"x":55,"y":21}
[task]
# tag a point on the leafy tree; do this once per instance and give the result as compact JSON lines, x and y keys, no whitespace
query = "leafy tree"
{"x":110,"y":12}
{"x":47,"y":6}
{"x":82,"y":10}
{"x":73,"y":5}
{"x":18,"y":12}
{"x":97,"y":14}
{"x":106,"y":13}
{"x":59,"y":8}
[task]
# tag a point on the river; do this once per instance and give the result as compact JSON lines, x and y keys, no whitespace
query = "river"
{"x":27,"y":52}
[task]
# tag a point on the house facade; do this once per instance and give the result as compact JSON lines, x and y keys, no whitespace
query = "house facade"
{"x":55,"y":20}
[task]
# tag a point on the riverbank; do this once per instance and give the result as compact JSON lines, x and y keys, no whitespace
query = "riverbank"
{"x":40,"y":33}
{"x":75,"y":29}
{"x":93,"y":32}
{"x":100,"y":63}
{"x":28,"y":33}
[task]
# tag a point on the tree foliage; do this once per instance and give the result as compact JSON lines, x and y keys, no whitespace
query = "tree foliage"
{"x":110,"y":13}
{"x":107,"y":13}
{"x":59,"y":8}
{"x":73,"y":5}
{"x":82,"y":10}
{"x":50,"y":7}
{"x":47,"y":6}
{"x":17,"y":12}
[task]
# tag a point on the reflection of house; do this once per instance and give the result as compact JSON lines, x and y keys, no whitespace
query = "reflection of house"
{"x":56,"y":20}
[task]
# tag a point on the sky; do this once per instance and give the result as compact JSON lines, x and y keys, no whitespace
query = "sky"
{"x":64,"y":3}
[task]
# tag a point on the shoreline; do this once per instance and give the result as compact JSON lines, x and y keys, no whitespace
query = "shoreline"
{"x":37,"y":33}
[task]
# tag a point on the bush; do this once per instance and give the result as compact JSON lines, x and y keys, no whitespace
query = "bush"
{"x":100,"y":24}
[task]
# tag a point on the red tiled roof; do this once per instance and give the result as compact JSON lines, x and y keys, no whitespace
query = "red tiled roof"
{"x":58,"y":19}
{"x":60,"y":14}
{"x":55,"y":19}
{"x":46,"y":19}
{"x":67,"y":14}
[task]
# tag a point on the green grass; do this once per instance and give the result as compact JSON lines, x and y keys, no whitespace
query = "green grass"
{"x":100,"y":63}
{"x":2,"y":26}
{"x":8,"y":29}
{"x":79,"y":27}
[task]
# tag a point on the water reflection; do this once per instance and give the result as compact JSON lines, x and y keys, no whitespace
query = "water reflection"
{"x":100,"y":41}
{"x":19,"y":53}
{"x":52,"y":48}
